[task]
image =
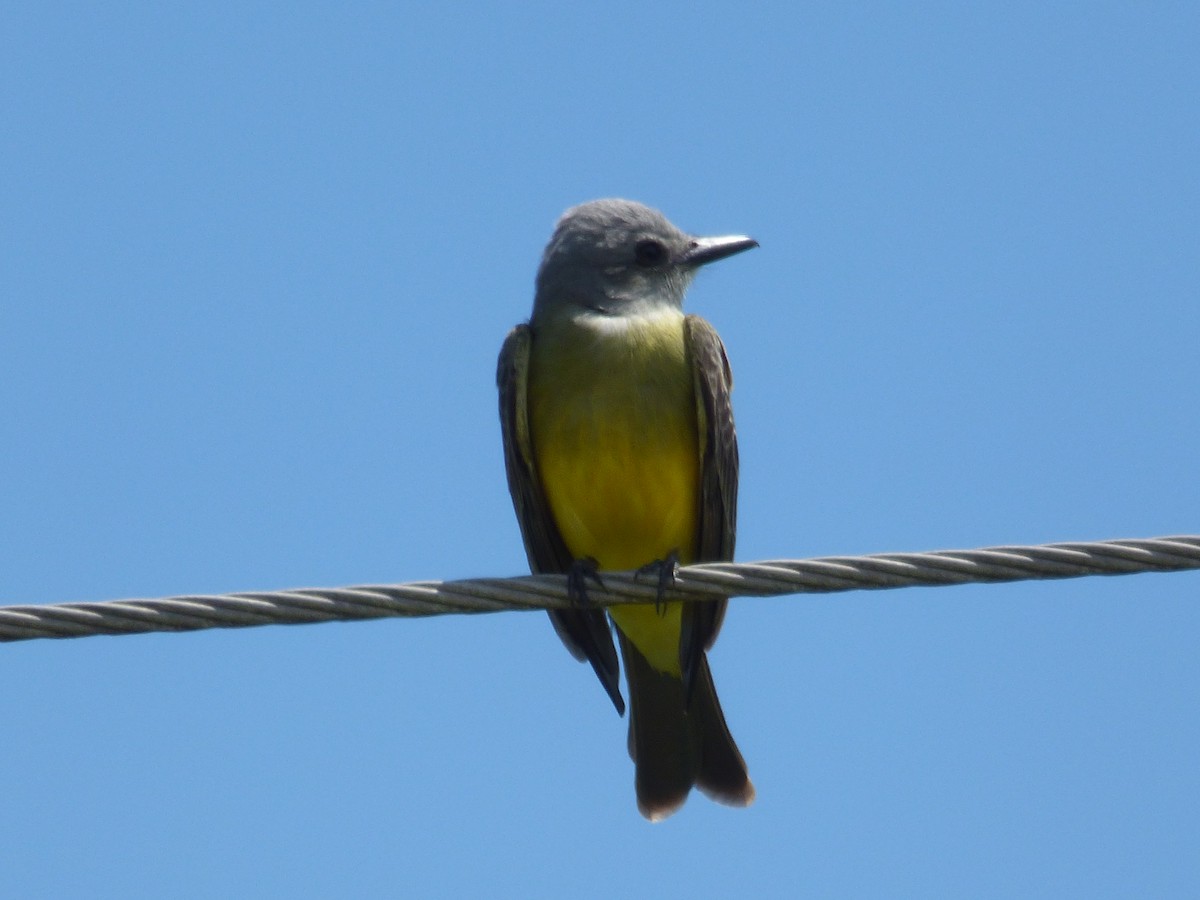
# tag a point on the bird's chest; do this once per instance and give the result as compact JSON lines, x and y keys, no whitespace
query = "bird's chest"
{"x":613,"y":421}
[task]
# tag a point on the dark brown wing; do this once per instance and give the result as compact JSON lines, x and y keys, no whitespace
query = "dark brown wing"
{"x":718,"y":483}
{"x":584,"y":631}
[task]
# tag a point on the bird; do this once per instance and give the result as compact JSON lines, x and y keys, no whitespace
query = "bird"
{"x":620,"y":453}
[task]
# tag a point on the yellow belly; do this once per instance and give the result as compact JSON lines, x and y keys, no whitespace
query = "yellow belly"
{"x":613,"y":421}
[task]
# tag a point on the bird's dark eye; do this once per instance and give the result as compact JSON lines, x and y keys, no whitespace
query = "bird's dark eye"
{"x":649,"y":253}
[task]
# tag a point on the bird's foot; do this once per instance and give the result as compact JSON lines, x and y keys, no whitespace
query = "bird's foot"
{"x":577,"y":577}
{"x":664,"y":570}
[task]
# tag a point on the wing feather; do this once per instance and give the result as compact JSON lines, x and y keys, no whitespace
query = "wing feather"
{"x":585,"y":632}
{"x":713,"y":382}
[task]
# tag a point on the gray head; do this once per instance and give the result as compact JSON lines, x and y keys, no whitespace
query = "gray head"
{"x":617,"y":258}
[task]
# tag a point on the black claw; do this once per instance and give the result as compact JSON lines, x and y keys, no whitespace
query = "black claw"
{"x":664,"y":570}
{"x":577,"y":578}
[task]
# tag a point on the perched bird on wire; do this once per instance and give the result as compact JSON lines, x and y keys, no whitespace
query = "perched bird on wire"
{"x":620,"y":452}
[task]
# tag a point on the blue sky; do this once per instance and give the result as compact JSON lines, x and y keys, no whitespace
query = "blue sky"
{"x":256,"y":262}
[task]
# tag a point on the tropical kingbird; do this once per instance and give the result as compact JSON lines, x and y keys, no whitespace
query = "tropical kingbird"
{"x":621,"y":454}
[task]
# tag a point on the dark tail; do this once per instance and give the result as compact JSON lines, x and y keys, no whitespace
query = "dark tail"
{"x":675,"y":746}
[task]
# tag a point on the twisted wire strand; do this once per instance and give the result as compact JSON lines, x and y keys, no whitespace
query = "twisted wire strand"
{"x":829,"y":574}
